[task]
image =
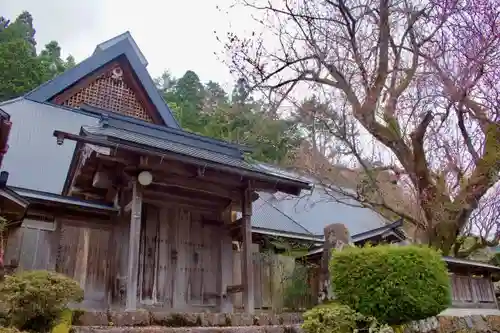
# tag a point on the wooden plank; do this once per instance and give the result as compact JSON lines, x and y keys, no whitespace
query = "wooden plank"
{"x":148,"y":254}
{"x":134,"y":244}
{"x":266,"y":281}
{"x":237,"y":298}
{"x":13,"y":247}
{"x":67,"y":250}
{"x":181,"y":222}
{"x":29,"y":249}
{"x":257,"y":260}
{"x":195,"y":260}
{"x":82,"y":253}
{"x":212,"y":264}
{"x":226,"y":270}
{"x":165,"y":268}
{"x":247,"y":267}
{"x":98,"y":268}
{"x":120,"y":242}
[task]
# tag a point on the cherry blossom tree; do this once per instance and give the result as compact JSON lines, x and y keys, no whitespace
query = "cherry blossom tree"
{"x":419,"y":78}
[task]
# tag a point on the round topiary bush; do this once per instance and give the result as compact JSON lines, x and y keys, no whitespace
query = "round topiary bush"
{"x":394,"y":284}
{"x":33,"y":300}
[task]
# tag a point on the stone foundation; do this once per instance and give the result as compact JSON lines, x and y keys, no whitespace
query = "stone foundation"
{"x":157,"y":329}
{"x":168,"y":319}
{"x":143,"y":321}
{"x":459,"y":324}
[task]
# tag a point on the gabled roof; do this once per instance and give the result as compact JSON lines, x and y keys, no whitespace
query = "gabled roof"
{"x":122,"y":46}
{"x":142,"y":137}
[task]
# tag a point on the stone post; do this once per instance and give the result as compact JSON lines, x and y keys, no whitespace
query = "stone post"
{"x":336,"y":237}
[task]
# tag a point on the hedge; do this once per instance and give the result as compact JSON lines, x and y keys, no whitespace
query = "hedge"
{"x":394,"y":284}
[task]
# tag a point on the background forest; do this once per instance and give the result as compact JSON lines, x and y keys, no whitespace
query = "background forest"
{"x":203,"y":108}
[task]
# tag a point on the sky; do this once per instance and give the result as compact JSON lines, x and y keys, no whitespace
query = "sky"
{"x":173,"y":35}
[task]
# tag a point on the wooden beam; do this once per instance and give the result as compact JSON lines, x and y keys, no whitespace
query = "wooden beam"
{"x":196,"y":184}
{"x":192,"y":200}
{"x":134,"y":245}
{"x":246,"y":260}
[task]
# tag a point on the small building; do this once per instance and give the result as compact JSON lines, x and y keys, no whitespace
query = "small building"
{"x":122,"y":199}
{"x":305,"y":218}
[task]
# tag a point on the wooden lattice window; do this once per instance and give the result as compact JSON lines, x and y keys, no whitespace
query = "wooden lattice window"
{"x":109,"y":91}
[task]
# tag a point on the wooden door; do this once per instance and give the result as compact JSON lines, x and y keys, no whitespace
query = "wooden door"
{"x":84,"y":256}
{"x":179,"y":259}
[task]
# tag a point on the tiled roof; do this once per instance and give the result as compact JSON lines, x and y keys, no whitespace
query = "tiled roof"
{"x":162,"y":140}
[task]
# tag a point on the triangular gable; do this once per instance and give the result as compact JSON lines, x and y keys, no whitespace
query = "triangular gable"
{"x":126,"y":86}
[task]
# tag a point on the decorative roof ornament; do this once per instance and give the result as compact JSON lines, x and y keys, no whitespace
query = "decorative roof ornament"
{"x":117,"y":74}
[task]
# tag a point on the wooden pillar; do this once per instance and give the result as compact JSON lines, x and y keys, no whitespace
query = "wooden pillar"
{"x":134,"y":244}
{"x":246,"y":258}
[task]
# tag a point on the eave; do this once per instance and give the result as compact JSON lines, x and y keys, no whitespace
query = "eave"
{"x":279,"y":183}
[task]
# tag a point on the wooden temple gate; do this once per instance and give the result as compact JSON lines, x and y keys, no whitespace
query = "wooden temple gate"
{"x":170,"y":245}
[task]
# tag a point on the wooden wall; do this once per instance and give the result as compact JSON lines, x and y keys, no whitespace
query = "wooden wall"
{"x":472,"y":292}
{"x":184,"y":263}
{"x":31,"y":246}
{"x":84,"y":253}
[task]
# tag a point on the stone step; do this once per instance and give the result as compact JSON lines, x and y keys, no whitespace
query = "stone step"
{"x":164,"y":329}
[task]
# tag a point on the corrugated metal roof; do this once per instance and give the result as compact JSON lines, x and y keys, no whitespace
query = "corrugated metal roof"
{"x":311,"y":212}
{"x":37,"y":195}
{"x":318,"y":209}
{"x":266,"y":216}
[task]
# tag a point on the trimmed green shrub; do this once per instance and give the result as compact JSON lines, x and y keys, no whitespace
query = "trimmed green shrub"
{"x":395,"y":284}
{"x":34,"y":299}
{"x":337,"y":318}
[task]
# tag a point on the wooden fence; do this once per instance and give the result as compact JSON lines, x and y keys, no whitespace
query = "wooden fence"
{"x":273,"y":275}
{"x":472,"y":292}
